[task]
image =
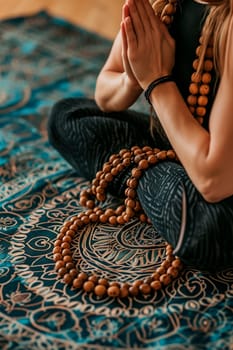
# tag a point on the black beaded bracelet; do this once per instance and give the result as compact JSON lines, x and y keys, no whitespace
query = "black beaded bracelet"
{"x":154,"y":83}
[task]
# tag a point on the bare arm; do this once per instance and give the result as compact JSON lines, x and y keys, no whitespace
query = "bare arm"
{"x":206,"y":156}
{"x":116,"y":87}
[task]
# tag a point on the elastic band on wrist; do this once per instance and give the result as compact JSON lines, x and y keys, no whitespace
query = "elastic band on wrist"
{"x":154,"y":83}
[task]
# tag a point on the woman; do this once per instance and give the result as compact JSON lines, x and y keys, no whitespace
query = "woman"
{"x":179,"y":53}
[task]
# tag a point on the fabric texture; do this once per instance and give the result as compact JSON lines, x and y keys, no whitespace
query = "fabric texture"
{"x":200,"y":232}
{"x":43,"y":60}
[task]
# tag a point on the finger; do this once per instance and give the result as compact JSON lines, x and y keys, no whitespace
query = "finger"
{"x":130,"y":34}
{"x":124,"y":40}
{"x":125,"y":11}
{"x":135,"y":17}
{"x":151,"y":16}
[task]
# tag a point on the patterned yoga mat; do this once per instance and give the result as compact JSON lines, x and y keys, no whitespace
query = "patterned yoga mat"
{"x":43,"y":59}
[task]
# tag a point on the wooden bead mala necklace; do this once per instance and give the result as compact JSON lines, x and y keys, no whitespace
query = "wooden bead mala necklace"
{"x":141,"y":159}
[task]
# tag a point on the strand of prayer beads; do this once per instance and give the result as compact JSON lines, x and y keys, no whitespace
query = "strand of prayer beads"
{"x":65,"y":265}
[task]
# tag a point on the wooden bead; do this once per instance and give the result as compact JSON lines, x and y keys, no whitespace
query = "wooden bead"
{"x":57,"y":249}
{"x":173,"y":272}
{"x":143,"y":164}
{"x":201,"y":111}
{"x":114,"y":171}
{"x":209,"y":52}
{"x":67,"y":239}
{"x":204,"y":89}
{"x":196,"y":63}
{"x":67,"y":278}
{"x":93,"y":278}
{"x":65,"y":245}
{"x":130,"y":192}
{"x":208,"y":65}
{"x":161,"y":270}
{"x":206,"y":78}
{"x":66,"y":252}
{"x":127,"y":154}
{"x":130,"y":203}
{"x":57,"y":257}
{"x":83,"y":276}
{"x":152,"y":159}
{"x":167,"y":20}
{"x":90,"y":204}
{"x":114,"y":284}
{"x":124,"y":292}
{"x":59,"y":264}
{"x":77,"y":283}
{"x":93,"y":217}
{"x":165,"y":279}
{"x":143,"y":217}
{"x":88,"y":286}
{"x":145,"y":288}
{"x":137,"y":283}
{"x":109,"y":212}
{"x":100,"y":197}
{"x":107,"y":168}
{"x":112,"y":220}
{"x":100,"y":290}
{"x":129,"y":212}
{"x":134,"y":291}
{"x":193,"y":88}
{"x":165,"y":264}
{"x":136,"y":172}
{"x":138,"y":158}
{"x":202,"y":100}
{"x":162,"y":155}
{"x":171,"y":154}
{"x":70,"y":265}
{"x":177,"y":264}
{"x":148,"y":280}
{"x":155,"y":276}
{"x":103,"y":218}
{"x":85,"y":219}
{"x":108,"y":177}
{"x":113,"y":291}
{"x":169,"y":9}
{"x":126,"y":162}
{"x":120,"y":220}
{"x":196,"y":77}
{"x":103,"y":281}
{"x":192,"y":100}
{"x":120,"y":210}
{"x":103,"y":184}
{"x":58,"y":242}
{"x":67,"y":258}
{"x":62,"y":271}
{"x":156,"y":285}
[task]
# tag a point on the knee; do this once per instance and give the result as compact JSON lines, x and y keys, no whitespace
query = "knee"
{"x":63,"y":111}
{"x":56,"y":119}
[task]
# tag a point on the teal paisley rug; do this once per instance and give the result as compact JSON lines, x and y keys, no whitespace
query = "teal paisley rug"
{"x":43,"y":59}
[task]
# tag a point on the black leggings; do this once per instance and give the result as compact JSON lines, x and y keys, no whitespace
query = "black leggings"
{"x":201,"y":233}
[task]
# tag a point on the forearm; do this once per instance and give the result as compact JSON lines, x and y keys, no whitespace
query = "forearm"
{"x":188,"y":138}
{"x":114,"y":92}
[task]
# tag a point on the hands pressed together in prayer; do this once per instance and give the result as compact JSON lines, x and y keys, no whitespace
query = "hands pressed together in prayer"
{"x":148,"y":50}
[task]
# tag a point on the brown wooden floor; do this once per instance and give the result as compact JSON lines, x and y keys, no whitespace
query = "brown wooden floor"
{"x":101,"y":16}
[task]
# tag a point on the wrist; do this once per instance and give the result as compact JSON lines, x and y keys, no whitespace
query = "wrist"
{"x":156,"y":82}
